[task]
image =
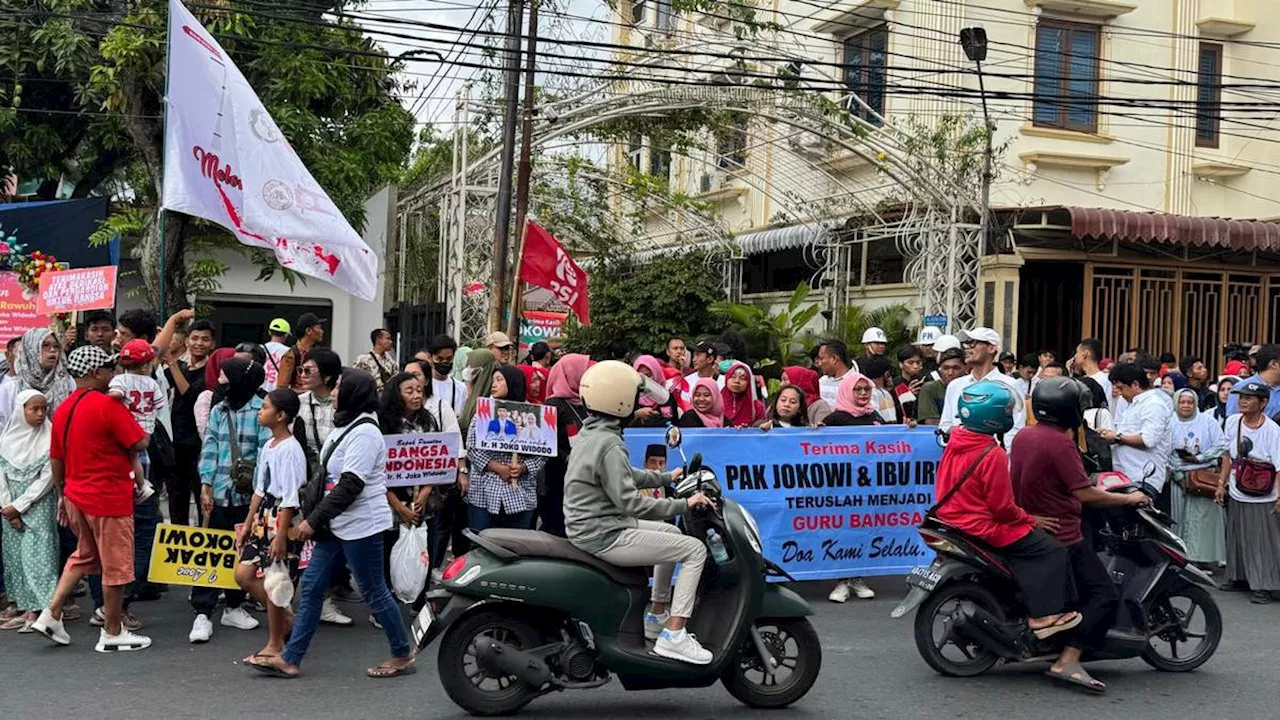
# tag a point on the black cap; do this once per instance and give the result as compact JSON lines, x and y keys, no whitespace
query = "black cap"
{"x":706,"y":346}
{"x":307,"y":320}
{"x":1006,"y":355}
{"x":721,"y":350}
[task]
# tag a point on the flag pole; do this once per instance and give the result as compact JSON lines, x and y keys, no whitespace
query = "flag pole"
{"x":164,"y":140}
{"x":524,"y":176}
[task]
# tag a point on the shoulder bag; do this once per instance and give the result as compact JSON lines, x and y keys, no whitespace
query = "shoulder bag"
{"x":1202,"y":482}
{"x":1253,"y":477}
{"x":933,"y":511}
{"x":242,"y":471}
{"x":313,"y":491}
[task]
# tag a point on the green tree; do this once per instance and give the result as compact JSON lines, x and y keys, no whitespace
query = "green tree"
{"x":776,"y":337}
{"x":80,"y":97}
{"x":894,"y":319}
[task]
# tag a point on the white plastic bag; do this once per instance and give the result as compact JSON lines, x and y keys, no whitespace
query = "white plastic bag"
{"x":278,"y":584}
{"x":410,"y":564}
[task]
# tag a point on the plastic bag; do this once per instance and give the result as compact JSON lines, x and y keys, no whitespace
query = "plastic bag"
{"x":278,"y":584}
{"x":410,"y":564}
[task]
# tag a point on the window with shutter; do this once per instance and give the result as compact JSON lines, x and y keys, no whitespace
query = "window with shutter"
{"x":1066,"y":77}
{"x":1209,"y":95}
{"x":864,"y":72}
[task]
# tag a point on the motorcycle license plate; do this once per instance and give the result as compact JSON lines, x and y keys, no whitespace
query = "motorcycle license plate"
{"x":923,"y":578}
{"x":422,"y":623}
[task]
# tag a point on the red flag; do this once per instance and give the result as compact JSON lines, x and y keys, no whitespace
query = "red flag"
{"x":547,"y":265}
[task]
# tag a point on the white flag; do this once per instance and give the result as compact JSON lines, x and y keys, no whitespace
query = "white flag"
{"x":227,"y":162}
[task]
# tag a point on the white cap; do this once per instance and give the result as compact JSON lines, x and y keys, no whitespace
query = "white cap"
{"x":980,"y":334}
{"x":945,"y":343}
{"x":928,"y":335}
{"x":874,"y":335}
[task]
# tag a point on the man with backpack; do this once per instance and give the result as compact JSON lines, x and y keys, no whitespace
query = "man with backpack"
{"x":310,"y":330}
{"x":276,"y":348}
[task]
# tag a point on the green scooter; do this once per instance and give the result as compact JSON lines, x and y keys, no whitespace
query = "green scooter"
{"x":525,"y":613}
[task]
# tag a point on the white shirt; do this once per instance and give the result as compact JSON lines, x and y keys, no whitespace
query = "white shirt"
{"x":1150,"y":416}
{"x":829,"y":387}
{"x":282,"y":471}
{"x":451,"y":390}
{"x":364,"y":453}
{"x":951,"y":404}
{"x":142,"y":395}
{"x":1266,"y":448}
{"x":1105,"y":381}
{"x":275,"y":351}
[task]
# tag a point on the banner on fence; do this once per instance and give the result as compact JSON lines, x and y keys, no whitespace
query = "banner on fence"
{"x":186,"y":555}
{"x":513,"y":427}
{"x":831,"y":503}
{"x":422,"y":459}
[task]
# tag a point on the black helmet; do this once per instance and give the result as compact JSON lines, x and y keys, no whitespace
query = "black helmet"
{"x":1061,"y":401}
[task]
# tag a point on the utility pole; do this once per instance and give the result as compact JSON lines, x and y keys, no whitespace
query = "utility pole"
{"x":974,"y":42}
{"x":498,"y":293}
{"x":524,"y":173}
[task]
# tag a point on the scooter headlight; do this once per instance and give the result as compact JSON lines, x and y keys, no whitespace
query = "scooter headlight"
{"x":753,"y":530}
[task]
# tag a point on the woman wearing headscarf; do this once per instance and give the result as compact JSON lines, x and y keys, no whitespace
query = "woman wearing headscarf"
{"x":504,"y":486}
{"x":1223,"y":391}
{"x":741,"y":408}
{"x":478,"y":375}
{"x":650,"y":413}
{"x":41,"y":366}
{"x":28,"y":504}
{"x":232,"y":421}
{"x":807,"y":380}
{"x":1197,"y":444}
{"x":205,"y":401}
{"x":708,"y":406}
{"x":562,"y":394}
{"x":853,"y":403}
{"x":347,"y":525}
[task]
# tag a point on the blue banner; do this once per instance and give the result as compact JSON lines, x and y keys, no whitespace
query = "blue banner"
{"x":831,"y":503}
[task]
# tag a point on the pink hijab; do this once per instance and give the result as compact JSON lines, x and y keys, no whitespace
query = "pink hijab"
{"x":565,"y":377}
{"x":655,"y":372}
{"x":715,"y":418}
{"x":845,"y":399}
{"x":741,"y":409}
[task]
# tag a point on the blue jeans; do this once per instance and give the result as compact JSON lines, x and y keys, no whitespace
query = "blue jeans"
{"x":481,"y":519}
{"x":146,"y":516}
{"x":364,"y":557}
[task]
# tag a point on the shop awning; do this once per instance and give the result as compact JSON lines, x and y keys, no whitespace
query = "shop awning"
{"x":1244,"y":235}
{"x":782,"y":238}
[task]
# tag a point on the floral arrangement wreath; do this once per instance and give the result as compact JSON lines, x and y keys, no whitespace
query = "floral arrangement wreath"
{"x":29,"y":268}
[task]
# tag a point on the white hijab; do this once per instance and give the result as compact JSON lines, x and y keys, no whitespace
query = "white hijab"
{"x":1199,"y":434}
{"x":24,"y":449}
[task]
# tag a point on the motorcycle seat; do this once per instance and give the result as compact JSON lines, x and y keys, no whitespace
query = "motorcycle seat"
{"x":535,"y":543}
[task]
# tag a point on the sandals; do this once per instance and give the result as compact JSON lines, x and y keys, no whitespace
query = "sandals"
{"x":1076,"y":677}
{"x":270,"y":668}
{"x":250,"y":659}
{"x":390,"y":671}
{"x":14,"y":623}
{"x":1064,"y":622}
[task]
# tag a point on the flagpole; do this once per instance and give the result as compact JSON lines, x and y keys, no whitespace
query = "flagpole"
{"x":164,"y":144}
{"x":524,"y":175}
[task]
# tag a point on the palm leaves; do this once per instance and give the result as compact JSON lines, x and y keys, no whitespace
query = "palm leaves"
{"x":775,"y":337}
{"x":894,"y":319}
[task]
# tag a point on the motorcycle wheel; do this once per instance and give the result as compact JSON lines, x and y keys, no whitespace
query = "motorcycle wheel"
{"x":469,"y":685}
{"x":1174,"y":621}
{"x":933,"y":636}
{"x":795,"y":644}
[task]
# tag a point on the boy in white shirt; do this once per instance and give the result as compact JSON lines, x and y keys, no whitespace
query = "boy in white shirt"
{"x":139,"y":391}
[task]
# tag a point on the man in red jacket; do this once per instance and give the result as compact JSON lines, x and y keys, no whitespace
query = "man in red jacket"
{"x":975,"y":496}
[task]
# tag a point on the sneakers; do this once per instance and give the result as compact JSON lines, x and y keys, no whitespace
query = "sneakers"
{"x":683,"y":646}
{"x":330,"y":614}
{"x":144,"y":493}
{"x":201,"y":630}
{"x":51,"y":628}
{"x":129,"y":622}
{"x":374,"y":622}
{"x":655,"y":624}
{"x":238,"y":618}
{"x":862,"y":591}
{"x":841,"y":592}
{"x":124,"y":642}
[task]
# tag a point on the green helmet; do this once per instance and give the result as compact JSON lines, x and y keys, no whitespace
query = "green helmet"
{"x":987,"y":407}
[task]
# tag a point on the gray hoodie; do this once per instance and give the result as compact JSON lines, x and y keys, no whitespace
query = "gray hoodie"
{"x":600,"y":499}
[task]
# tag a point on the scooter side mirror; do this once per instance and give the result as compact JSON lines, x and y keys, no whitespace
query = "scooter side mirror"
{"x":673,"y":437}
{"x":695,"y":465}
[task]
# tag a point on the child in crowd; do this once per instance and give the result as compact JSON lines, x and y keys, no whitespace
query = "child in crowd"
{"x":137,"y":388}
{"x":268,"y":533}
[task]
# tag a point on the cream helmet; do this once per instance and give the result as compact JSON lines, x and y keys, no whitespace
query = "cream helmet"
{"x":612,"y":387}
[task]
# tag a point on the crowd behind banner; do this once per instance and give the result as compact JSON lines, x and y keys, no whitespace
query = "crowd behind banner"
{"x":285,"y":446}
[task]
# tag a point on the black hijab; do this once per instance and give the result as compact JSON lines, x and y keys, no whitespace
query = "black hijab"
{"x":515,"y":383}
{"x":244,"y":379}
{"x":357,"y":395}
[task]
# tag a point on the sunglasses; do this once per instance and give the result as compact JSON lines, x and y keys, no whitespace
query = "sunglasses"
{"x":304,"y":371}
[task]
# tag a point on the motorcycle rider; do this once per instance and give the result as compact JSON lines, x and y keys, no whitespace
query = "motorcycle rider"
{"x":605,"y":516}
{"x":1049,"y":480}
{"x":975,"y":496}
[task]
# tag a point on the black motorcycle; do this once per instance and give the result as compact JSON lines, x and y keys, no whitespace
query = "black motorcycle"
{"x":971,"y":616}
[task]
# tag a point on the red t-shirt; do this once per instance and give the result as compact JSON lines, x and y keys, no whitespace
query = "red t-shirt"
{"x":1046,"y":471}
{"x":97,"y":468}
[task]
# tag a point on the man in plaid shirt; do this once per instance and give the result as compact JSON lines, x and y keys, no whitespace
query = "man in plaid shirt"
{"x":223,"y":506}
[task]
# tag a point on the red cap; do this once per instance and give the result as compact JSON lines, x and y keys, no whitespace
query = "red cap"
{"x":1235,"y":367}
{"x":137,"y":352}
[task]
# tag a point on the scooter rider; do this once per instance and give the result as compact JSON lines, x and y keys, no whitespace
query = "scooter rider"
{"x":605,"y":516}
{"x":1049,"y":480}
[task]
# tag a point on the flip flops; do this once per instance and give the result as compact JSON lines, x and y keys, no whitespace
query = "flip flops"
{"x":395,"y":671}
{"x":1076,"y":677}
{"x":1065,"y":622}
{"x":272,"y":670}
{"x":14,"y":623}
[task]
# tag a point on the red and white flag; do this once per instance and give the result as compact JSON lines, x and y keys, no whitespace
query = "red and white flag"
{"x":227,"y":162}
{"x":547,"y":265}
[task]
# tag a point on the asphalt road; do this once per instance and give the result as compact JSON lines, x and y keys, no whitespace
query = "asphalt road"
{"x":870,"y":670}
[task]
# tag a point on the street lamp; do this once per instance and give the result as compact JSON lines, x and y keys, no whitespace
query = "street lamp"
{"x":974,"y":42}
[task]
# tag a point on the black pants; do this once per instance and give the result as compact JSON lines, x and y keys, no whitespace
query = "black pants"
{"x":184,"y":485}
{"x":1040,"y":566}
{"x":446,"y":525}
{"x":205,"y":599}
{"x":551,"y":502}
{"x":1097,"y":599}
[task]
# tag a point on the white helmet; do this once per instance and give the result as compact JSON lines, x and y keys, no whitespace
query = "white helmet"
{"x":945,"y":343}
{"x":928,"y":335}
{"x":611,"y":387}
{"x":874,"y":335}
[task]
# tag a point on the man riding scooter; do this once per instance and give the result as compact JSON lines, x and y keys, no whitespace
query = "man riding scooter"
{"x":1049,"y":481}
{"x":605,"y":516}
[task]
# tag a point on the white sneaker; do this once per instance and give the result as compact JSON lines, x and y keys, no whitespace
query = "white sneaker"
{"x":374,"y":622}
{"x":51,"y":628}
{"x":655,"y":624}
{"x":862,"y":591}
{"x":238,"y":618}
{"x":128,"y":622}
{"x":683,"y":646}
{"x":841,"y":593}
{"x":123,"y":642}
{"x":329,"y":613}
{"x":201,"y":630}
{"x":144,"y":493}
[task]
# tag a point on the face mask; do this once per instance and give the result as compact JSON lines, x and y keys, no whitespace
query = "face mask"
{"x":725,"y":365}
{"x":444,"y":368}
{"x":468,"y":374}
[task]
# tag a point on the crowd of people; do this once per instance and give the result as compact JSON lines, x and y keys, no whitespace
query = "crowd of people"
{"x":228,"y":437}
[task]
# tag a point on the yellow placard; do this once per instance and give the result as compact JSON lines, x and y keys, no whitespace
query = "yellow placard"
{"x":186,"y":555}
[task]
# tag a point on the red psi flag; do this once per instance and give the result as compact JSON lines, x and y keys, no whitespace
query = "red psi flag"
{"x":547,"y":265}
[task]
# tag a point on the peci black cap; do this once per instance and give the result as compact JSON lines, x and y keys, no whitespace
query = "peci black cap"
{"x":308,"y":320}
